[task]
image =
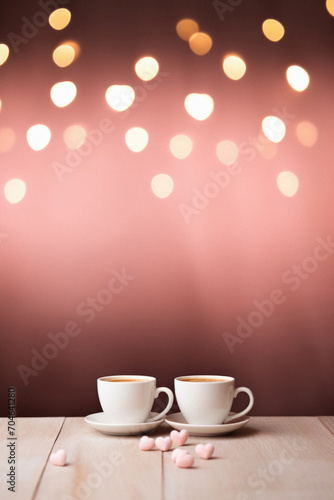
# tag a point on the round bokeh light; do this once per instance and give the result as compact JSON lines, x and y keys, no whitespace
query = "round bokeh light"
{"x":288,"y":183}
{"x":162,"y":185}
{"x":38,"y":137}
{"x":15,"y":190}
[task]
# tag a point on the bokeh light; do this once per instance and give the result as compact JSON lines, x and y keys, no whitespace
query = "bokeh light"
{"x":60,"y":18}
{"x":75,"y":46}
{"x":288,"y":183}
{"x":180,"y":146}
{"x":63,"y":93}
{"x":273,"y":30}
{"x":307,"y":133}
{"x":199,"y":106}
{"x":38,"y":137}
{"x":7,"y":139}
{"x":227,"y":152}
{"x":234,"y":67}
{"x":136,"y":139}
{"x":298,"y":78}
{"x":200,"y":43}
{"x":120,"y":97}
{"x":162,"y":185}
{"x":74,"y":136}
{"x":14,"y":190}
{"x":4,"y":53}
{"x":330,"y":6}
{"x":63,"y":55}
{"x":273,"y":128}
{"x":147,"y":68}
{"x":186,"y":28}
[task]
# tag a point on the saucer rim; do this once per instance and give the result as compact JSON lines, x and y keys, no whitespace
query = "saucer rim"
{"x":203,"y":427}
{"x":89,"y":420}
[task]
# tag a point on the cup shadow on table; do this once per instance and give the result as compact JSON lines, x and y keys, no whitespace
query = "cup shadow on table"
{"x":241,"y":433}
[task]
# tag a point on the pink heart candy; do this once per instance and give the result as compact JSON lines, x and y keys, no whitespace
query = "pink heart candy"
{"x":179,"y":438}
{"x":176,"y":453}
{"x":146,"y":443}
{"x":184,"y":460}
{"x":205,"y":451}
{"x":58,"y":458}
{"x":164,"y":444}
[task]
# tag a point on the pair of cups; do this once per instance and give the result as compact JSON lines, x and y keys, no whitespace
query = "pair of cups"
{"x":202,"y":399}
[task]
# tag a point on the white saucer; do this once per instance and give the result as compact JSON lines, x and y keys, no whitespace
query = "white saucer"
{"x":178,"y":421}
{"x":100,"y":422}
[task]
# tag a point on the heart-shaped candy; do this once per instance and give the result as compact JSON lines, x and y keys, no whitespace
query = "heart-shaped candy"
{"x":179,"y":438}
{"x":176,"y":453}
{"x":205,"y":451}
{"x":58,"y":458}
{"x":164,"y":444}
{"x":146,"y":443}
{"x":184,"y":460}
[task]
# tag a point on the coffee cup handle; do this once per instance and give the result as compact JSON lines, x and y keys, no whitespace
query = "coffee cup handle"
{"x":249,"y":407}
{"x":169,"y":404}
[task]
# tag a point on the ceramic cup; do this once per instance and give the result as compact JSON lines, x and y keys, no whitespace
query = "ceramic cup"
{"x":129,"y":398}
{"x":207,"y":399}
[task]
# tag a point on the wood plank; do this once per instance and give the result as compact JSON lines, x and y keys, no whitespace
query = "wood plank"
{"x":35,"y":438}
{"x":276,"y":457}
{"x":328,"y":422}
{"x":101,"y":466}
{"x":273,"y":457}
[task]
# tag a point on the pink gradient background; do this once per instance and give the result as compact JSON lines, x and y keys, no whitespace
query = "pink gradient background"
{"x":192,"y":281}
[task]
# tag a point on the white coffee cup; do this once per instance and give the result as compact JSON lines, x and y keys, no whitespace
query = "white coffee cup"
{"x":207,"y":399}
{"x":128,"y":399}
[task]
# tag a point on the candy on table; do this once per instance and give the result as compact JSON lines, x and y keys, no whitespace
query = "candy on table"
{"x":176,"y":453}
{"x":146,"y":443}
{"x":184,"y":460}
{"x":180,"y":457}
{"x":179,"y":438}
{"x":164,"y":444}
{"x":58,"y":458}
{"x":205,"y":451}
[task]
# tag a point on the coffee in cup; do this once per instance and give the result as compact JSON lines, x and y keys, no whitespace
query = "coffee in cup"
{"x":128,"y":399}
{"x":207,"y":399}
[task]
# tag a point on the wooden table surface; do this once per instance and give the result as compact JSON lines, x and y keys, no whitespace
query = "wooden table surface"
{"x":270,"y":458}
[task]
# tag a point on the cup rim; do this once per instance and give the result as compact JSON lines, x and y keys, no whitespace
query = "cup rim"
{"x":224,"y":379}
{"x":141,"y":379}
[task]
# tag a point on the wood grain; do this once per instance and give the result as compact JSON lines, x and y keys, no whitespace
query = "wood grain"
{"x":35,"y":438}
{"x":100,"y":467}
{"x":275,"y":458}
{"x":328,"y":422}
{"x":272,"y":458}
